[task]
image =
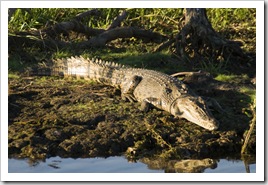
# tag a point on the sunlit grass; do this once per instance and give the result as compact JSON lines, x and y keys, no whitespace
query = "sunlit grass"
{"x":248,"y":91}
{"x":231,"y":78}
{"x":13,"y":76}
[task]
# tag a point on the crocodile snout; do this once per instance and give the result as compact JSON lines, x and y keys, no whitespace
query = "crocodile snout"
{"x":195,"y":110}
{"x":213,"y":124}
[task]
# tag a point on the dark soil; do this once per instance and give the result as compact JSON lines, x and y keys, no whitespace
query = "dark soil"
{"x":76,"y":118}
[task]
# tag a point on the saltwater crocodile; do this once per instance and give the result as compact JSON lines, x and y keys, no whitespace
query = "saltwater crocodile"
{"x":146,"y":86}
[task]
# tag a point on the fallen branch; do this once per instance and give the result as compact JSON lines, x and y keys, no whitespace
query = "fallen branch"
{"x":66,"y":27}
{"x":164,"y":45}
{"x":87,"y":13}
{"x":121,"y":32}
{"x":118,"y":20}
{"x":98,"y":41}
{"x":73,"y":25}
{"x":30,"y":41}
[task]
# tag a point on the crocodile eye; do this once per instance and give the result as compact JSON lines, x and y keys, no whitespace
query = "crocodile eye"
{"x":200,"y":99}
{"x":167,"y":90}
{"x":178,"y":112}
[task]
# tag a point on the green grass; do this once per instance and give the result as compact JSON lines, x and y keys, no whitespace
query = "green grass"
{"x":221,"y":18}
{"x":232,"y":78}
{"x":249,"y":92}
{"x":15,"y":64}
{"x":13,"y":76}
{"x":212,"y":67}
{"x":62,"y":53}
{"x":164,"y":20}
{"x":26,"y":19}
{"x":245,"y":94}
{"x":147,"y":60}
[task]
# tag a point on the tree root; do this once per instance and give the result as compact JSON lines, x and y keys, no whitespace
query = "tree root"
{"x":198,"y":41}
{"x":198,"y":73}
{"x":252,"y":126}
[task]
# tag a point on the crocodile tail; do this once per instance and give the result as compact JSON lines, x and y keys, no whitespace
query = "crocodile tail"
{"x":77,"y":67}
{"x":80,"y":68}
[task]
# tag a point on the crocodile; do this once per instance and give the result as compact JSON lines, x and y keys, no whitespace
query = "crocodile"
{"x":149,"y":87}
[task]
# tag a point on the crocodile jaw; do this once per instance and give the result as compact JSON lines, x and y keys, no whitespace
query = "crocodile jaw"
{"x":205,"y":122}
{"x":195,"y":110}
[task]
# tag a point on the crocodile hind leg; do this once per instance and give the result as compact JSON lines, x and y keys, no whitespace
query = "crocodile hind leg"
{"x":128,"y":88}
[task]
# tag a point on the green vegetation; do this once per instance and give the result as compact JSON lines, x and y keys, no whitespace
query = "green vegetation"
{"x":214,"y":68}
{"x":232,"y":78}
{"x":249,"y":92}
{"x":13,"y":76}
{"x":222,"y":18}
{"x":236,"y":24}
{"x":27,"y":19}
{"x":164,"y":20}
{"x":229,"y":22}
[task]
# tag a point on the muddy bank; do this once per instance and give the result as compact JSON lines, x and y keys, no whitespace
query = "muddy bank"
{"x":73,"y":118}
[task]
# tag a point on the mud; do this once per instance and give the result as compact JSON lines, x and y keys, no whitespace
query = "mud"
{"x":77,"y":118}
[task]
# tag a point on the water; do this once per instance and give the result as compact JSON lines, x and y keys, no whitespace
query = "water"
{"x":121,"y":165}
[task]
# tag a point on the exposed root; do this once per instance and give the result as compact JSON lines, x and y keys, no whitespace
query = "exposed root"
{"x":252,"y":126}
{"x":198,"y":41}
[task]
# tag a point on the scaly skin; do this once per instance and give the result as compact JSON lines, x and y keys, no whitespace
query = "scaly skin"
{"x":146,"y":86}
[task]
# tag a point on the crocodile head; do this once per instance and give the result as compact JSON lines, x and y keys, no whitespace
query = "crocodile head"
{"x":195,"y":110}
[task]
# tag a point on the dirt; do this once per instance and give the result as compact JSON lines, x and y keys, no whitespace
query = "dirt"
{"x":77,"y":118}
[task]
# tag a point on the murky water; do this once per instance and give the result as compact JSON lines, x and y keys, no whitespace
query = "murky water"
{"x":121,"y":165}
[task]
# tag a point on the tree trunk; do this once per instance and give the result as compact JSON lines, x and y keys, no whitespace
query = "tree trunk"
{"x":199,"y":42}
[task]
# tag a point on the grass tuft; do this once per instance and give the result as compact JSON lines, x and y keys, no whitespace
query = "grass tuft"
{"x":232,"y":78}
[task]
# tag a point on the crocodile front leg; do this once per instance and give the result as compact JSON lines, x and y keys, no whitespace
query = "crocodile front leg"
{"x":147,"y":103}
{"x":128,"y":88}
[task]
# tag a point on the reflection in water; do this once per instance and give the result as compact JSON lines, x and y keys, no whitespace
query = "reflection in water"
{"x":34,"y":163}
{"x":55,"y":164}
{"x":121,"y":165}
{"x":181,"y":166}
{"x":194,"y":166}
